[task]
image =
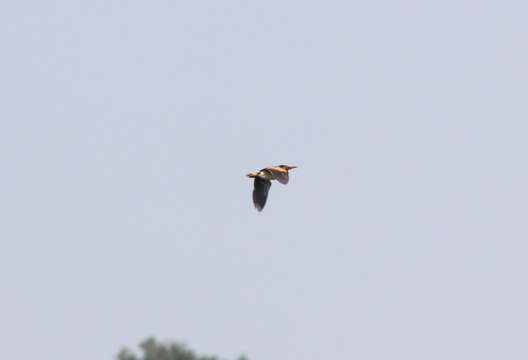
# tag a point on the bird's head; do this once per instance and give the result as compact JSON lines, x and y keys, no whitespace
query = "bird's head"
{"x":287,"y":167}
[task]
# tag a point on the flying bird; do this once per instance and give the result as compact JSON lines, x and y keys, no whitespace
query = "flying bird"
{"x":262,"y":182}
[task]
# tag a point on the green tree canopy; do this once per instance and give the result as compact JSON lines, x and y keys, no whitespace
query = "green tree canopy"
{"x":154,"y":350}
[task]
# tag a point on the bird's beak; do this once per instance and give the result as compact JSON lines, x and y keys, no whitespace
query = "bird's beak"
{"x":292,"y":167}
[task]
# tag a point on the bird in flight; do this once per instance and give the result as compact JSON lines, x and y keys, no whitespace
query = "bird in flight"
{"x":262,"y":182}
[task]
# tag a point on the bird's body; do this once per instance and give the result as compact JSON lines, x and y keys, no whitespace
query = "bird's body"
{"x":262,"y":182}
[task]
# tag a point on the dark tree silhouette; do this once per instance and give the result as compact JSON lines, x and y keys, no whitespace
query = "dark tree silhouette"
{"x":153,"y":350}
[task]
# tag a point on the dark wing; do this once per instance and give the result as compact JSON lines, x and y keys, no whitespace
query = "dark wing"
{"x":260,"y":192}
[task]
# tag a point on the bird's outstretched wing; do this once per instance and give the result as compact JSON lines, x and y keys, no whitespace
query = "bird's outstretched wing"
{"x":260,"y":192}
{"x":279,"y":174}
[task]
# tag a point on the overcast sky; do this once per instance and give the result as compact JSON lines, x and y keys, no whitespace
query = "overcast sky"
{"x":127,"y":128}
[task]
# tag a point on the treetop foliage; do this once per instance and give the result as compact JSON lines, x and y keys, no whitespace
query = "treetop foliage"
{"x":154,"y":350}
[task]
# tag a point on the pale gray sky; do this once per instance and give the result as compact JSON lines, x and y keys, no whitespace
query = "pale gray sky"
{"x":127,"y":128}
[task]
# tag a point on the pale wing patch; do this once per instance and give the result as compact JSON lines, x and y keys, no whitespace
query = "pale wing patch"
{"x":280,"y":175}
{"x":283,"y":178}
